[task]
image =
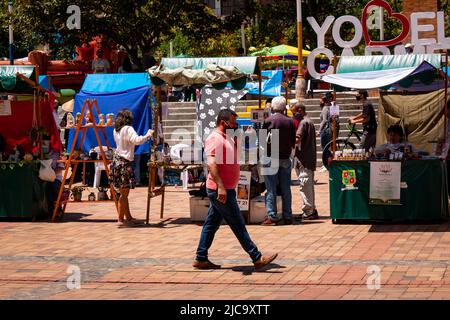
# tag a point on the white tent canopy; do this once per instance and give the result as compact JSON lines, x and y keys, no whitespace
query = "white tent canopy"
{"x":377,"y":78}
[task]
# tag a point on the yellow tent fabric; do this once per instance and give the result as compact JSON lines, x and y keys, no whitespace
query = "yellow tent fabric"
{"x":281,"y":50}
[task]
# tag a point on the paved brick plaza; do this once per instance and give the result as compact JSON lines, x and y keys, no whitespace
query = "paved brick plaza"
{"x":317,"y":260}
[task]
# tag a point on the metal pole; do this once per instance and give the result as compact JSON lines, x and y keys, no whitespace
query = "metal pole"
{"x":11,"y":35}
{"x":334,"y":118}
{"x":381,"y":24}
{"x":445,"y":99}
{"x":300,"y":86}
{"x":243,"y":39}
{"x":171,"y":49}
{"x":259,"y":82}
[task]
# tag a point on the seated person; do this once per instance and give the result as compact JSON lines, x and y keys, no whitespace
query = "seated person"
{"x":395,"y":142}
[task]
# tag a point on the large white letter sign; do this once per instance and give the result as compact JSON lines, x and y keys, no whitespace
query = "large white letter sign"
{"x":416,"y":27}
{"x":441,"y":29}
{"x":337,"y":36}
{"x":321,"y":30}
{"x":311,"y":66}
{"x":370,"y":50}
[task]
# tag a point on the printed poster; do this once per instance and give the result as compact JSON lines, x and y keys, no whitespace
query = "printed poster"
{"x":334,"y":109}
{"x":5,"y":108}
{"x":385,"y":183}
{"x":259,"y":115}
{"x":243,"y":190}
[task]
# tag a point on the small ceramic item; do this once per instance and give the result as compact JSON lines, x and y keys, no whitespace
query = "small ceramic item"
{"x":28,"y":157}
{"x":91,"y":196}
{"x":110,"y":119}
{"x":101,"y":119}
{"x":88,"y":118}
{"x":78,"y":118}
{"x":70,"y":120}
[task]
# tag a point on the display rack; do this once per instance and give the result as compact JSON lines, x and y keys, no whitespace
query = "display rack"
{"x":87,"y":106}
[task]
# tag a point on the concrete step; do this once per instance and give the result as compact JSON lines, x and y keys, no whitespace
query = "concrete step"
{"x":181,"y":111}
{"x":186,"y":130}
{"x":316,"y":107}
{"x":176,"y":114}
{"x":179,"y":122}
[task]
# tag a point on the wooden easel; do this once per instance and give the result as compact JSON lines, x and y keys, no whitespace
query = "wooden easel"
{"x":87,"y":106}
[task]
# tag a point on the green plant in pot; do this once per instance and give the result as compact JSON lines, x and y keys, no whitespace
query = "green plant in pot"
{"x":77,"y":193}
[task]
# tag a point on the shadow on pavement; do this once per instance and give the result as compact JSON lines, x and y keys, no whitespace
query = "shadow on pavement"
{"x":248,"y":270}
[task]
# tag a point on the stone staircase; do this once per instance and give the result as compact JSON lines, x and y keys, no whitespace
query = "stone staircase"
{"x":179,"y":122}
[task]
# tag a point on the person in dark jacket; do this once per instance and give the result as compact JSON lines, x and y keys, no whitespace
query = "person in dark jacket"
{"x":278,"y":169}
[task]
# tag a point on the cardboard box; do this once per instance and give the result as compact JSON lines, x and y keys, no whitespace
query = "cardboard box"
{"x":258,"y":209}
{"x":199,"y":208}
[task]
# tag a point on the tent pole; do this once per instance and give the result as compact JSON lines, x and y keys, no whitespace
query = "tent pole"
{"x":39,"y":114}
{"x":445,"y":100}
{"x":259,"y":81}
{"x":334,"y":98}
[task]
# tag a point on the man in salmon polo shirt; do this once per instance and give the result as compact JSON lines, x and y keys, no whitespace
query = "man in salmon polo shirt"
{"x":223,"y":177}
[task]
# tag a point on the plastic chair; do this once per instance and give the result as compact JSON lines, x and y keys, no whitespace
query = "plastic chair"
{"x":99,"y":167}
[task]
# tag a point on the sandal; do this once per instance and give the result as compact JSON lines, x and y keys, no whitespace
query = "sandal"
{"x":135,"y":221}
{"x":126,"y":224}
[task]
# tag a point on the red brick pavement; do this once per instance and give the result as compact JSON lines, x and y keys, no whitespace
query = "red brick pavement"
{"x":317,"y":259}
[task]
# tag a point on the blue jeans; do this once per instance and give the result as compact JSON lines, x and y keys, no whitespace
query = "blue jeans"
{"x":232,"y":215}
{"x":283,"y":178}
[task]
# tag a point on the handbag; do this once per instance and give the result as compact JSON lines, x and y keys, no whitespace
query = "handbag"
{"x":46,"y":173}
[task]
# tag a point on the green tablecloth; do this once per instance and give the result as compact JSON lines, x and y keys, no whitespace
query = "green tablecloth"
{"x":425,"y":197}
{"x":22,"y":193}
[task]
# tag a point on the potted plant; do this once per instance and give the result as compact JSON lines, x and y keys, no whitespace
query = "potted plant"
{"x":77,"y":192}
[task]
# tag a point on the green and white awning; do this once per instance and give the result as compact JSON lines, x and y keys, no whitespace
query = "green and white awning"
{"x":368,"y":72}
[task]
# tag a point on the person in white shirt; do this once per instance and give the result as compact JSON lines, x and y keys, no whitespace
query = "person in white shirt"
{"x":121,"y":172}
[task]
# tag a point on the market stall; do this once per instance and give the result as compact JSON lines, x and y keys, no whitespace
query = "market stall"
{"x":29,"y":133}
{"x":407,"y":182}
{"x":113,"y":93}
{"x":211,"y":75}
{"x":23,"y":194}
{"x":423,"y":192}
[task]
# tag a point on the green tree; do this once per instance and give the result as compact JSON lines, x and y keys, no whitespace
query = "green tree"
{"x":137,"y":26}
{"x":278,"y":22}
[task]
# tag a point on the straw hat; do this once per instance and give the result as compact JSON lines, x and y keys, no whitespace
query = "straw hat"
{"x":68,"y":106}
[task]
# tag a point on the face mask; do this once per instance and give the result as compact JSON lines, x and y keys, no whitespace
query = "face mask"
{"x":228,"y":127}
{"x":358,"y":98}
{"x":322,"y":104}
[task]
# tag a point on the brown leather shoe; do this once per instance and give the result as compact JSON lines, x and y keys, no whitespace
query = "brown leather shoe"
{"x":205,"y":265}
{"x":269,"y":222}
{"x":264,"y":261}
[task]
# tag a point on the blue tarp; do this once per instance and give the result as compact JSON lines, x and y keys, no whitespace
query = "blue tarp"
{"x":116,"y":82}
{"x":115,"y":92}
{"x":445,"y":69}
{"x":270,"y":87}
{"x":45,"y":83}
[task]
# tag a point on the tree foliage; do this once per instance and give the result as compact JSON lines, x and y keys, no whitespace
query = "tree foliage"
{"x":137,"y":26}
{"x":141,"y":26}
{"x":278,"y":22}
